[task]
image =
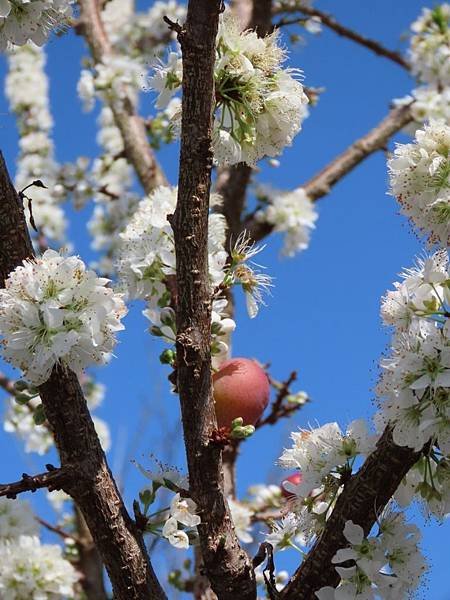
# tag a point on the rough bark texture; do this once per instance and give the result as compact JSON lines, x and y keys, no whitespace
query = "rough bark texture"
{"x":321,"y":184}
{"x":226,"y":564}
{"x":89,"y":561}
{"x":52,"y":480}
{"x":364,"y":496}
{"x":131,"y":125}
{"x":92,"y":486}
{"x":330,"y":22}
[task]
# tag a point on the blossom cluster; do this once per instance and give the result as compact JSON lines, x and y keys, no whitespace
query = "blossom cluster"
{"x":26,"y":88}
{"x":414,"y":387}
{"x":53,"y":310}
{"x":30,"y":569}
{"x":292,"y":213}
{"x":427,"y":103}
{"x":325,"y":458}
{"x":146,"y":264}
{"x":177,"y":523}
{"x":115,"y":203}
{"x":420,"y":180}
{"x":415,"y":380}
{"x":386,"y":565}
{"x":430,"y":46}
{"x":22,"y":20}
{"x":259,"y":104}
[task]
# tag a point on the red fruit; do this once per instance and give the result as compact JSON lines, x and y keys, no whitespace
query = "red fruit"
{"x":295,"y":479}
{"x":241,"y":389}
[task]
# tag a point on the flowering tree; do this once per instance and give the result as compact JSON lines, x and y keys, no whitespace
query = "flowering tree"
{"x":224,"y":90}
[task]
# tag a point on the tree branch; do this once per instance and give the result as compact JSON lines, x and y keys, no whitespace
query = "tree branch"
{"x":261,"y":20}
{"x":226,"y":564}
{"x":53,"y":479}
{"x":131,"y":125}
{"x":321,"y":184}
{"x":363,"y":498}
{"x":7,"y":384}
{"x":330,"y":22}
{"x":91,"y":486}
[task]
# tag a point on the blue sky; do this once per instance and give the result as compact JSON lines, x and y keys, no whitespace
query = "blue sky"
{"x":323,"y":319}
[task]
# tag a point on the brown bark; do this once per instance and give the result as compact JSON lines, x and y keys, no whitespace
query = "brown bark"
{"x":261,"y":19}
{"x":89,"y":561}
{"x":54,"y":479}
{"x":226,"y":564}
{"x":91,"y":484}
{"x":321,"y":184}
{"x":363,"y":498}
{"x":131,"y":125}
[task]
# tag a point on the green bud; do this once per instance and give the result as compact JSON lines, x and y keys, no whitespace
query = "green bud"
{"x":22,"y":399}
{"x":154,"y":330}
{"x":146,"y":497}
{"x":240,"y":433}
{"x":20,"y":385}
{"x":237,"y":423}
{"x":167,"y":357}
{"x":39,"y":415}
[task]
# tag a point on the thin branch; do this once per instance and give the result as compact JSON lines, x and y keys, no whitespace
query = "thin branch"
{"x":7,"y":384}
{"x":227,"y":566}
{"x":65,"y":535}
{"x":364,"y":497}
{"x":279,"y":409}
{"x":131,"y":125}
{"x":91,"y":485}
{"x":321,"y":184}
{"x":261,"y":20}
{"x":53,"y":479}
{"x":330,"y":22}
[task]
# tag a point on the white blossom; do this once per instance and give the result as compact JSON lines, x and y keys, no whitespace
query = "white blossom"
{"x":183,"y":510}
{"x":54,"y":310}
{"x":260,"y":105}
{"x":318,"y":452}
{"x":422,"y":293}
{"x":243,"y":271}
{"x":388,"y":565}
{"x":427,"y":103}
{"x":19,"y":420}
{"x":34,"y":570}
{"x":283,"y":532}
{"x":26,"y":88}
{"x":241,"y":516}
{"x":420,"y":180}
{"x":176,"y":537}
{"x":264,"y":496}
{"x":430,"y":45}
{"x":292,"y":213}
{"x":415,"y":387}
{"x":16,"y":519}
{"x":24,"y":20}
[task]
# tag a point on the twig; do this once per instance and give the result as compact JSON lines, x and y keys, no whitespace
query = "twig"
{"x":131,"y":125}
{"x":7,"y":384}
{"x":63,"y":534}
{"x":53,"y":479}
{"x":277,"y":410}
{"x":321,"y":184}
{"x":330,"y":22}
